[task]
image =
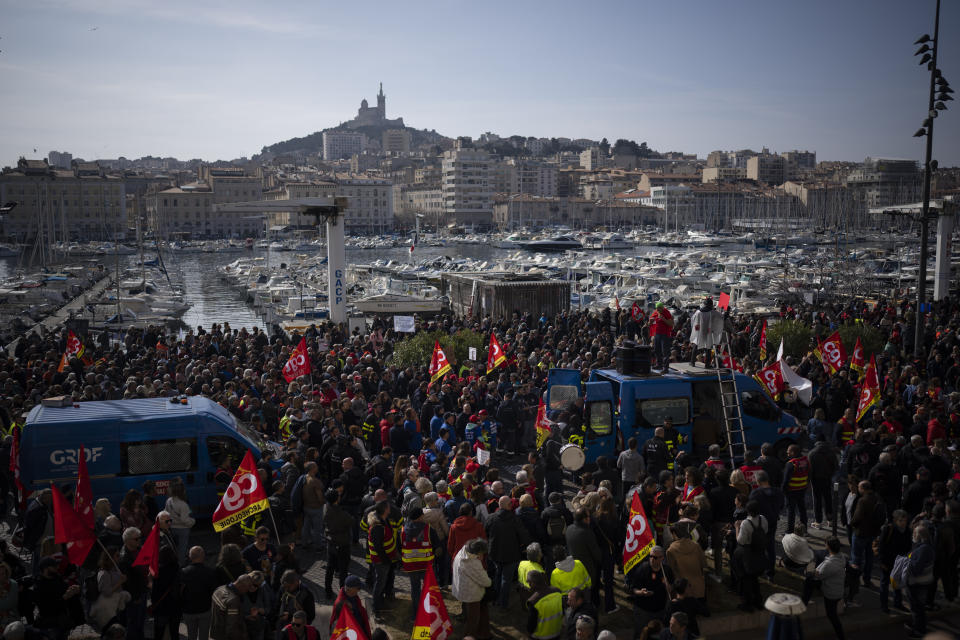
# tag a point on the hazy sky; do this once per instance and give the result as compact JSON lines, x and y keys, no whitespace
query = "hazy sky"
{"x":216,"y":79}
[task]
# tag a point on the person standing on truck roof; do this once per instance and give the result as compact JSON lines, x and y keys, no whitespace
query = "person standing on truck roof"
{"x":661,"y":331}
{"x":706,"y":330}
{"x":656,"y":454}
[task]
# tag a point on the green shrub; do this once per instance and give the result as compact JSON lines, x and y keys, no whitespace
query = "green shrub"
{"x":796,"y":338}
{"x":870,"y":338}
{"x":417,"y":350}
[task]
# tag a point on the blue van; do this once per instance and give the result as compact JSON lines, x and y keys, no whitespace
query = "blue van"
{"x":129,"y":441}
{"x":636,"y":404}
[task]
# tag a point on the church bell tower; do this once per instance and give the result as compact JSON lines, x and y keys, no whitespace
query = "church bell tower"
{"x":381,"y":104}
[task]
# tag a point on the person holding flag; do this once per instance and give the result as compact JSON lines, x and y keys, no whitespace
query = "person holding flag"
{"x":298,"y":364}
{"x":244,"y":496}
{"x":349,"y":613}
{"x":432,"y":621}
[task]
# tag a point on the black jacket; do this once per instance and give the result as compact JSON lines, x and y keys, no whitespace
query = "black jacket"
{"x":35,"y":522}
{"x":197,"y":584}
{"x":338,"y":524}
{"x":582,"y":545}
{"x":508,"y":537}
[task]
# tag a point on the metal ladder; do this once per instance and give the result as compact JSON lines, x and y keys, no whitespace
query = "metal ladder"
{"x":730,"y":401}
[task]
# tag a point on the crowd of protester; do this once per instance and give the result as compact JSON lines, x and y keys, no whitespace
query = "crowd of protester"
{"x":380,"y":464}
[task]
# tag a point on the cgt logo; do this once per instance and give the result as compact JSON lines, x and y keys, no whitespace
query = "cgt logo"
{"x":63,"y":456}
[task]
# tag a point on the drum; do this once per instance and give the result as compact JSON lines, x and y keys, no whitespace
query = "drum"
{"x":572,"y":457}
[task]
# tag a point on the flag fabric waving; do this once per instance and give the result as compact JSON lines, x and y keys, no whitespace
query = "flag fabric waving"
{"x":542,"y":426}
{"x":723,"y":303}
{"x":69,"y":529}
{"x":869,"y":390}
{"x":15,"y":469}
{"x":771,"y":377}
{"x":495,"y":355}
{"x":83,"y":496}
{"x":439,"y":366}
{"x":244,"y":496}
{"x":74,"y":349}
{"x":780,"y":351}
{"x":149,"y":555}
{"x":433,"y":622}
{"x":635,"y":311}
{"x":639,"y":540}
{"x":763,"y":342}
{"x":834,"y":355}
{"x":347,"y":627}
{"x":298,"y":364}
{"x":857,"y":361}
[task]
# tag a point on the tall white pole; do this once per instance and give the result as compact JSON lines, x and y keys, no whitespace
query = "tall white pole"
{"x":336,"y":269}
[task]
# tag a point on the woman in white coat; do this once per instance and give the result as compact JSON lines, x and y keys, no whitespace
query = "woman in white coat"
{"x":470,"y":583}
{"x":183,"y":521}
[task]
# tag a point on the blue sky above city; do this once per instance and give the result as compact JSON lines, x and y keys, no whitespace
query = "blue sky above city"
{"x":219,"y":80}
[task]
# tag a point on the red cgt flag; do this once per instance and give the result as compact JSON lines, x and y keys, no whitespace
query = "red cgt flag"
{"x":298,"y":364}
{"x":834,"y":355}
{"x":149,"y":555}
{"x":83,"y":496}
{"x":495,"y":355}
{"x":439,"y":366}
{"x":639,"y":539}
{"x":869,"y":390}
{"x":857,"y":361}
{"x":771,"y":377}
{"x":433,"y":622}
{"x":69,"y":529}
{"x":347,"y":627}
{"x":244,"y":496}
{"x":635,"y":311}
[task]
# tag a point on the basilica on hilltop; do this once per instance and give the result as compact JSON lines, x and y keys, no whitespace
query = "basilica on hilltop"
{"x":368,"y":116}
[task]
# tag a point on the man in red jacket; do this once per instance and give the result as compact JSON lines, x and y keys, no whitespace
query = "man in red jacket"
{"x":465,"y":528}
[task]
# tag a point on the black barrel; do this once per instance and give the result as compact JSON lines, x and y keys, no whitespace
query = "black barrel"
{"x":633,"y":359}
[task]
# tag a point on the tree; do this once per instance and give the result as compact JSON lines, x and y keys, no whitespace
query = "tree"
{"x":417,"y":350}
{"x":870,"y":338}
{"x":796,"y":338}
{"x":605,"y":147}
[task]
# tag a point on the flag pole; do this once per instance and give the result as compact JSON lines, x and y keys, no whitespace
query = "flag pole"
{"x":276,"y":531}
{"x":106,"y":551}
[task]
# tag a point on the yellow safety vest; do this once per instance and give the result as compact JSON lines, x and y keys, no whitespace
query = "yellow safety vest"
{"x":285,"y":427}
{"x":524,"y":568}
{"x":549,"y":616}
{"x":566,"y":580}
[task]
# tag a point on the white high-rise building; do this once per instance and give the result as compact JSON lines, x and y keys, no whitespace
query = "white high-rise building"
{"x":467,"y":192}
{"x":338,"y":145}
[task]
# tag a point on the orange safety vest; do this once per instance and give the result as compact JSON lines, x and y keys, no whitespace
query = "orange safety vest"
{"x":801,"y":474}
{"x":417,"y":555}
{"x":846,"y":430}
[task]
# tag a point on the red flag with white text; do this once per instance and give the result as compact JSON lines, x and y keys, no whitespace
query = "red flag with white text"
{"x":347,"y":627}
{"x":432,"y":622}
{"x":639,"y":539}
{"x":244,"y":496}
{"x":298,"y":364}
{"x":439,"y":366}
{"x":857,"y":361}
{"x":771,"y":377}
{"x":495,"y":355}
{"x":869,"y":390}
{"x":834,"y":355}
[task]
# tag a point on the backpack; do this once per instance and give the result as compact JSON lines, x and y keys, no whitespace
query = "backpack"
{"x":900,"y":571}
{"x":556,"y":526}
{"x":296,"y":495}
{"x":758,"y":540}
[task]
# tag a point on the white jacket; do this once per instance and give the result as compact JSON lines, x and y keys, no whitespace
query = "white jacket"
{"x":180,"y":512}
{"x":470,"y":579}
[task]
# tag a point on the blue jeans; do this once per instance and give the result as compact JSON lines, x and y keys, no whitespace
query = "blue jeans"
{"x":861,"y":554}
{"x":312,"y":532}
{"x":506,"y":576}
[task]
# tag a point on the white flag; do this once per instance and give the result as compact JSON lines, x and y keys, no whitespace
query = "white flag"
{"x":802,"y":386}
{"x":780,"y":351}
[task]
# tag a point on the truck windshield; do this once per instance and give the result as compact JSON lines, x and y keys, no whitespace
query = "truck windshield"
{"x":652,"y":411}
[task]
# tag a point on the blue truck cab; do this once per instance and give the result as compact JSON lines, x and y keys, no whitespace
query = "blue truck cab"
{"x":618,"y":406}
{"x":129,"y":441}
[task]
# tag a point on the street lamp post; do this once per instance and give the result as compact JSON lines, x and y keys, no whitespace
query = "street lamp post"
{"x":929,"y":47}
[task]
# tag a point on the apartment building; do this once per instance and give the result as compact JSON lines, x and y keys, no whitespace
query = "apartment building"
{"x":396,"y":141}
{"x":370,"y":203}
{"x":766,"y":168}
{"x":338,"y":145}
{"x":77,"y":204}
{"x":467,"y":192}
{"x":879,"y":182}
